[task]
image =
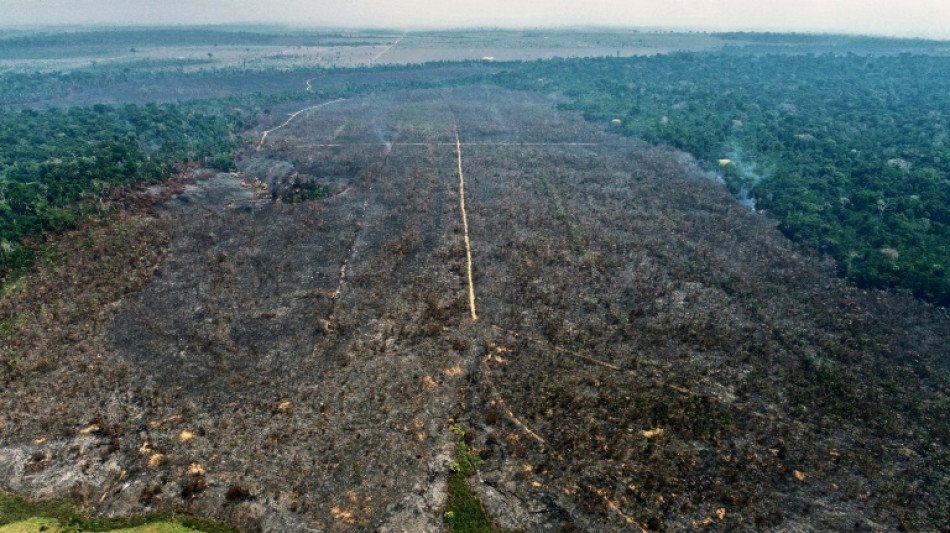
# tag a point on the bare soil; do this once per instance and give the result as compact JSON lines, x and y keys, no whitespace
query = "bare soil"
{"x":359,"y":49}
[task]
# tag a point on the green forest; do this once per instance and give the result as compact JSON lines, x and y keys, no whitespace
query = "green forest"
{"x":850,"y":153}
{"x":55,"y":164}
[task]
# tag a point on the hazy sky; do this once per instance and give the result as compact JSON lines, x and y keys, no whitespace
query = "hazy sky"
{"x":930,"y":18}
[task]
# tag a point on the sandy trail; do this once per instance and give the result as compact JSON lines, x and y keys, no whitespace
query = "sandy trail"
{"x":388,"y":48}
{"x":468,"y":246}
{"x":291,"y":117}
{"x":487,"y":144}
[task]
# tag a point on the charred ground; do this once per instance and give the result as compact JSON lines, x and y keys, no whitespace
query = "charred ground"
{"x":649,"y":354}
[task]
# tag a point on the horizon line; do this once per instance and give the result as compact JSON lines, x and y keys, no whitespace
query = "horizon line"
{"x":472,"y":28}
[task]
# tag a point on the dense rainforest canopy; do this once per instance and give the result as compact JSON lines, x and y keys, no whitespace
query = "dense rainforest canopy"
{"x":56,"y":163}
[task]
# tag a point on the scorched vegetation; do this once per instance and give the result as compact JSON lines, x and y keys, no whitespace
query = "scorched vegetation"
{"x":416,"y":300}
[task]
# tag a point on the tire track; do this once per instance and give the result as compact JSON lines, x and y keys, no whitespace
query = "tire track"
{"x":592,"y":360}
{"x":563,"y":350}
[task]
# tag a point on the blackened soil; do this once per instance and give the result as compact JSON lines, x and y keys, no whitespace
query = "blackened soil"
{"x":648,"y":355}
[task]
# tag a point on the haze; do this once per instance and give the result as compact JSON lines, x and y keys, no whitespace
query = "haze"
{"x":918,"y":18}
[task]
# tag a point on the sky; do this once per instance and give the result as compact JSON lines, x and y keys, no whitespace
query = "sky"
{"x":909,"y":18}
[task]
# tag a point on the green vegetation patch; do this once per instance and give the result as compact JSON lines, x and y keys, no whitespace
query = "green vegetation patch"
{"x":50,"y":525}
{"x":302,"y":191}
{"x":20,"y":515}
{"x":465,"y":513}
{"x":57,"y":166}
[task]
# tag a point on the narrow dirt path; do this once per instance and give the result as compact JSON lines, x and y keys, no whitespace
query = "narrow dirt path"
{"x":353,"y":248}
{"x":388,"y":48}
{"x":589,"y":359}
{"x":352,"y":255}
{"x":502,"y":144}
{"x":291,"y":117}
{"x":424,"y":144}
{"x":468,"y":245}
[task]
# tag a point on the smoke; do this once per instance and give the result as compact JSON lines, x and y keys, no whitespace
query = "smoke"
{"x":749,"y":176}
{"x":746,"y":199}
{"x":694,"y":171}
{"x":383,"y":135}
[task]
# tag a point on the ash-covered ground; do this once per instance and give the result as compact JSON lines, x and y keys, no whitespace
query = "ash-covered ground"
{"x":288,"y":345}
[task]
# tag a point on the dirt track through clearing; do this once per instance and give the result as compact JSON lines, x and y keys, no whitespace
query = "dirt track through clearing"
{"x":388,"y":48}
{"x":468,"y":246}
{"x":352,"y":255}
{"x":292,"y":116}
{"x":425,"y":144}
{"x":511,"y":415}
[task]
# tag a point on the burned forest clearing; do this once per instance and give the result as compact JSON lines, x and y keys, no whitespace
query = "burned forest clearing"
{"x":289,"y":346}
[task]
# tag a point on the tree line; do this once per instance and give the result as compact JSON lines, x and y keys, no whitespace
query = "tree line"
{"x":56,"y":163}
{"x":849,"y":152}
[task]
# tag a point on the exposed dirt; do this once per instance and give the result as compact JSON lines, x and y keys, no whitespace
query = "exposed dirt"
{"x":382,"y":47}
{"x":648,"y":354}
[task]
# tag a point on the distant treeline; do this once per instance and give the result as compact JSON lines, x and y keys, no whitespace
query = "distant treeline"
{"x":150,"y":80}
{"x":79,"y":43}
{"x":828,"y":39}
{"x":851,"y":153}
{"x":744,"y":43}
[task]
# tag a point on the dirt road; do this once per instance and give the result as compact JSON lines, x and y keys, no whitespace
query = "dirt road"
{"x":291,"y":117}
{"x":468,"y":244}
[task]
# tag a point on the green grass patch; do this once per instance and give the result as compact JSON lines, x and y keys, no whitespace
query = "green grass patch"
{"x":464,"y":512}
{"x":8,"y":326}
{"x":33,"y":524}
{"x":20,"y":515}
